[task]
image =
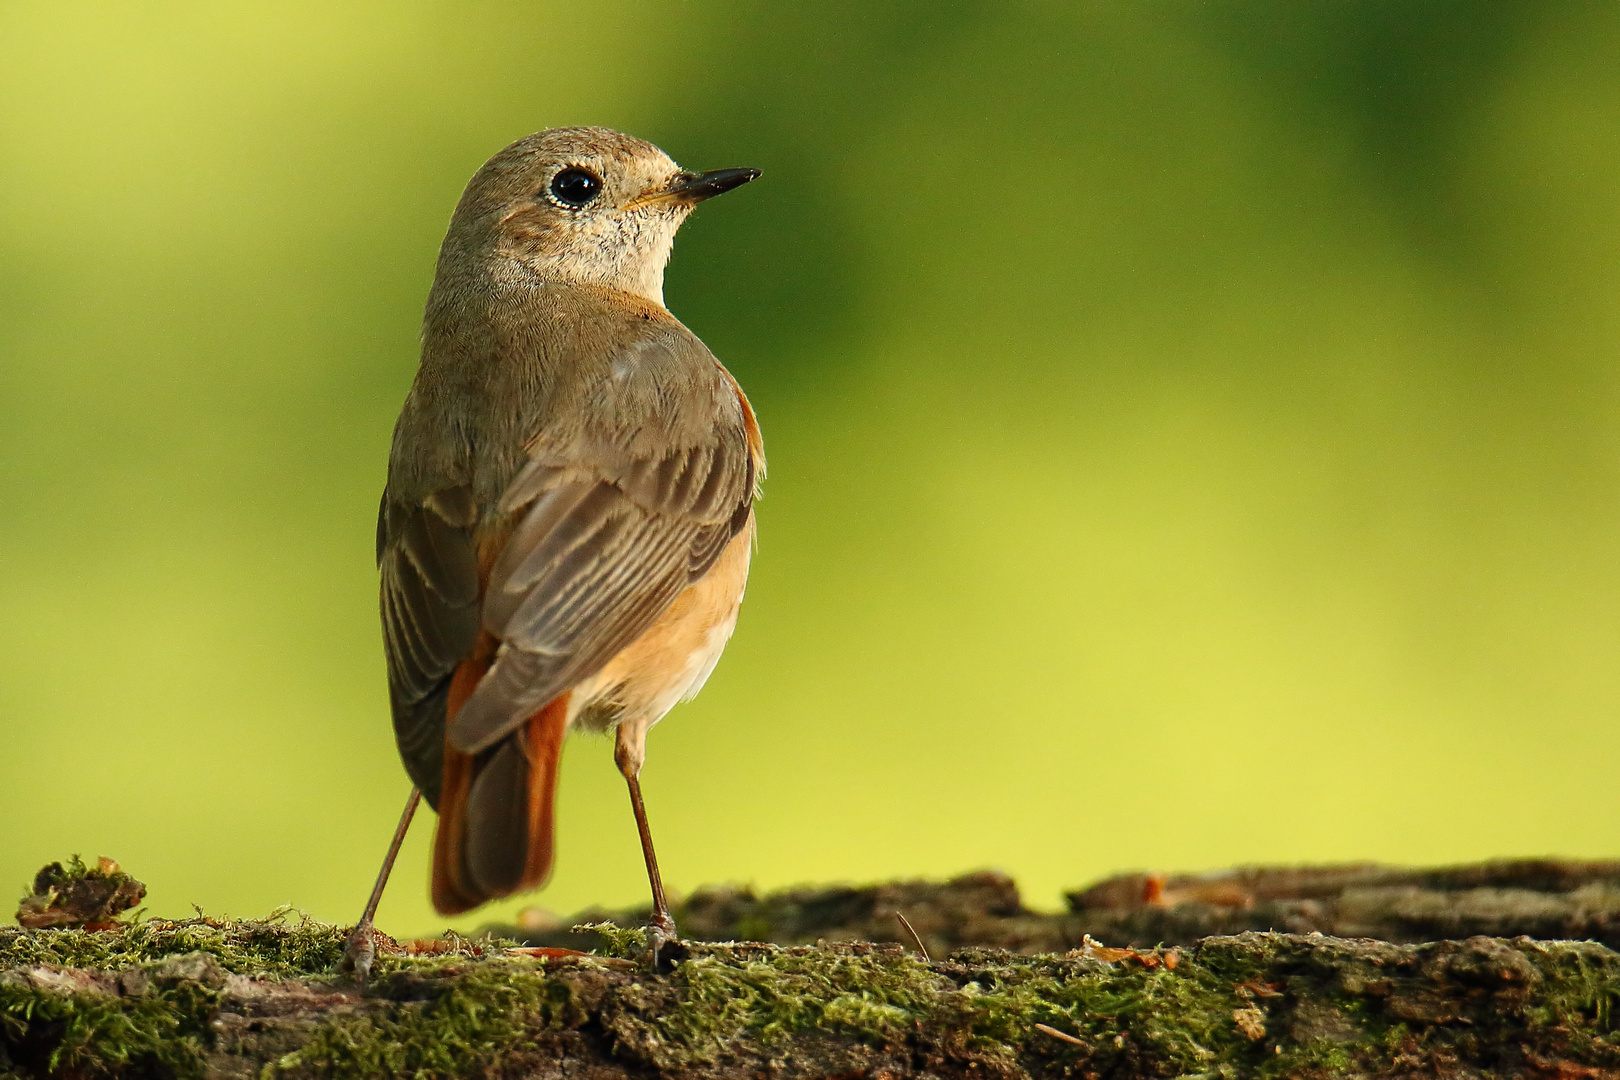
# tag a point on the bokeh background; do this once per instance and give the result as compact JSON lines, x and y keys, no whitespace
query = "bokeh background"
{"x":1194,"y":430}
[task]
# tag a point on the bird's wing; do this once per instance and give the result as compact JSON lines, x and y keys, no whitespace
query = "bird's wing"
{"x":607,"y":527}
{"x":590,"y":565}
{"x":430,"y":611}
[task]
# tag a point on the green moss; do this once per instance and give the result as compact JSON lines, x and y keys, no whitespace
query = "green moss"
{"x":1183,"y":1021}
{"x":1304,"y":1006}
{"x":97,"y":1033}
{"x":1128,"y":1017}
{"x":140,"y":997}
{"x":151,"y":1020}
{"x":460,"y":1021}
{"x":1582,"y":993}
{"x":884,"y":996}
{"x":277,"y":947}
{"x":624,"y":943}
{"x":770,"y":993}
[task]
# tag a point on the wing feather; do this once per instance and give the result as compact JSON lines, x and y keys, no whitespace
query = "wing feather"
{"x":429,"y":605}
{"x":592,"y":563}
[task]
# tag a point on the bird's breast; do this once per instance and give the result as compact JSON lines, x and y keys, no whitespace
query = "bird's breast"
{"x":670,"y":662}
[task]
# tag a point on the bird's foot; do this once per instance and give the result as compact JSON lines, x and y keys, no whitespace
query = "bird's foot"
{"x":663,"y":943}
{"x":359,"y":952}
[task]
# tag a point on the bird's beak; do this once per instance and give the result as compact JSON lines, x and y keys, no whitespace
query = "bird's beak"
{"x":693,"y":188}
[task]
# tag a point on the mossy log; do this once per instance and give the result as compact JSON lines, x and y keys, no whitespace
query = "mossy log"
{"x":206,"y":997}
{"x":1551,"y":899}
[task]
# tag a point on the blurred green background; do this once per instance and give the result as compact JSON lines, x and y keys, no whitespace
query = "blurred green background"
{"x":1194,"y":430}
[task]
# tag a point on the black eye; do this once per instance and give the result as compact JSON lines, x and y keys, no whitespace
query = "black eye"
{"x":575,"y":187}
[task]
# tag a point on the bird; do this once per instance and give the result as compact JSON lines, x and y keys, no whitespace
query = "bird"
{"x":565,"y":533}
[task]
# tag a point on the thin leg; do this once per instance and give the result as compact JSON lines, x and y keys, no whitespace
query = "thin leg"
{"x":362,"y":947}
{"x":662,"y":920}
{"x":628,"y":755}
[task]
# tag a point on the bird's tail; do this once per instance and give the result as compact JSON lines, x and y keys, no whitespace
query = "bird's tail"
{"x":495,"y":810}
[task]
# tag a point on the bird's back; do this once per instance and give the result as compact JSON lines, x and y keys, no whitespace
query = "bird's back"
{"x":569,"y":462}
{"x":579,"y":372}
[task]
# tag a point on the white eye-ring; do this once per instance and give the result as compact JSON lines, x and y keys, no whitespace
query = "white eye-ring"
{"x":573,"y":187}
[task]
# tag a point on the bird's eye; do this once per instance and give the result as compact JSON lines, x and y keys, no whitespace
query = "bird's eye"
{"x":575,"y":187}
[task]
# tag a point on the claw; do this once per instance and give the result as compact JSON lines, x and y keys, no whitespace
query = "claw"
{"x":359,"y":952}
{"x":663,"y":943}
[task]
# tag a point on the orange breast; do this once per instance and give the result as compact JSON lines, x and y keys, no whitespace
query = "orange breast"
{"x":669,"y":662}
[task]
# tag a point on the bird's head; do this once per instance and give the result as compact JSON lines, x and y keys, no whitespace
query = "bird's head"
{"x":584,"y":204}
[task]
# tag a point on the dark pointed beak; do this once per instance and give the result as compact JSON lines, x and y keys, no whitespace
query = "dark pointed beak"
{"x":695,"y":187}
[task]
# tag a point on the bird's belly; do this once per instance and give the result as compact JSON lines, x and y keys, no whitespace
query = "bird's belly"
{"x":671,"y":661}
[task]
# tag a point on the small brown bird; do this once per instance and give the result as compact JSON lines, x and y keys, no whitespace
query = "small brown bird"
{"x":565,"y":533}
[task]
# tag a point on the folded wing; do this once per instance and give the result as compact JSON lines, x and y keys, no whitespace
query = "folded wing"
{"x":596,"y":554}
{"x":430,"y":613}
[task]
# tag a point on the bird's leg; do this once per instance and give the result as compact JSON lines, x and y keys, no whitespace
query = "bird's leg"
{"x":629,"y":753}
{"x":361,"y":949}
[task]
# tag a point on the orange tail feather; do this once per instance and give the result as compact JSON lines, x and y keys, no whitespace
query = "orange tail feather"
{"x":451,"y":894}
{"x":545,"y":733}
{"x":541,"y":738}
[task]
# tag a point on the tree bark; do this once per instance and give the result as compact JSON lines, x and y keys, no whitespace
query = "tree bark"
{"x":237,"y":999}
{"x":1542,"y":898}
